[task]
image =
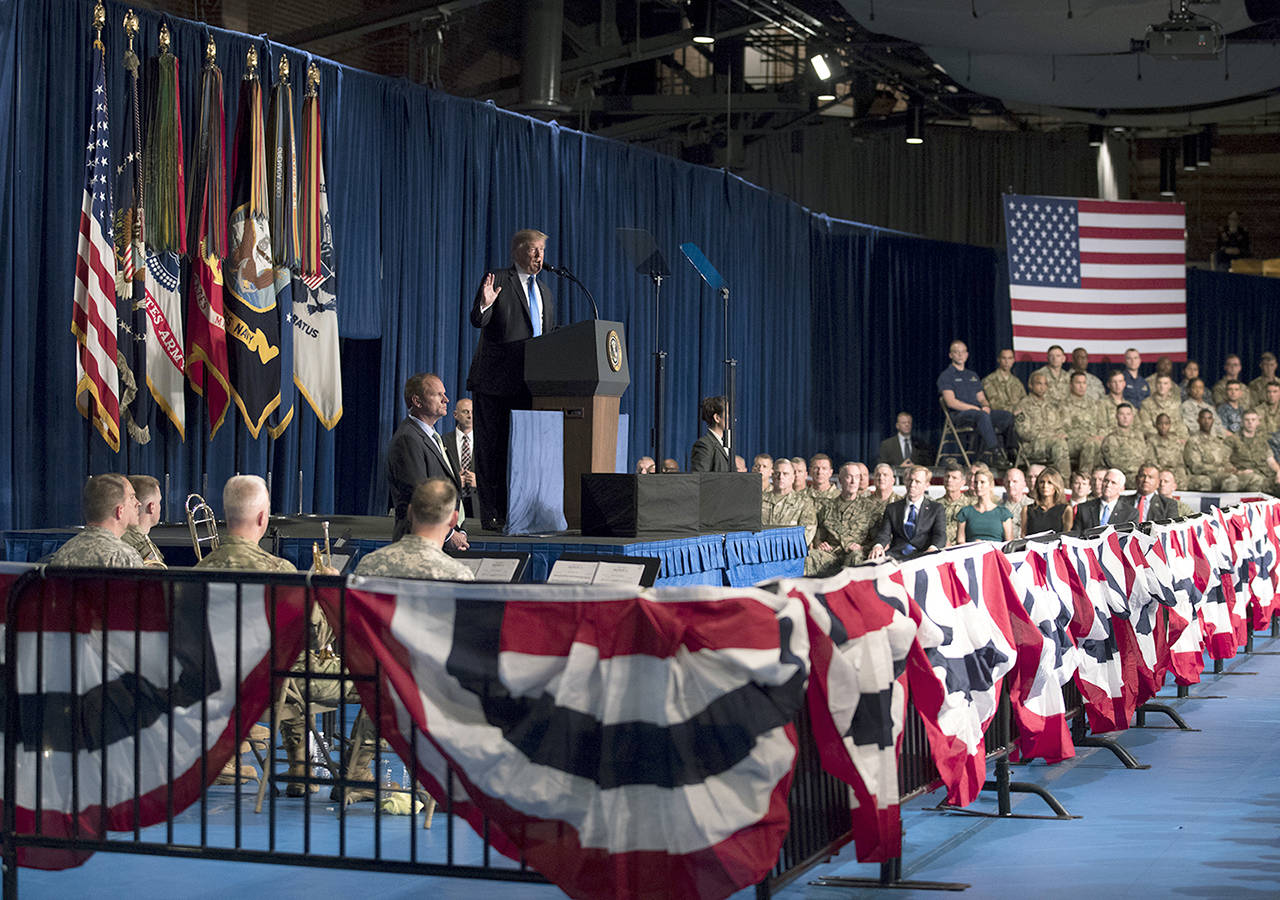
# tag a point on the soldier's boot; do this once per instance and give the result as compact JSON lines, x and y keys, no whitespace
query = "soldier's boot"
{"x":297,"y":752}
{"x":235,"y":769}
{"x":363,"y":738}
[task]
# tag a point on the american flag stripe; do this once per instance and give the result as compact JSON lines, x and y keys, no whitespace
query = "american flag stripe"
{"x":1107,"y":275}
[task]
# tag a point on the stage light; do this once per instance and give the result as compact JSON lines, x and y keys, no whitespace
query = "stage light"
{"x":1190,"y":152}
{"x":703,"y":17}
{"x":820,"y":67}
{"x":915,"y":124}
{"x":1204,"y":142}
{"x":1096,"y":134}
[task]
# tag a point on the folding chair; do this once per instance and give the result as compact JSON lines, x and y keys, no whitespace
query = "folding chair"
{"x":952,"y":434}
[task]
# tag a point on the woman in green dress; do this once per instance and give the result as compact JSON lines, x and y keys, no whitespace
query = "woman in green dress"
{"x":985,"y":520}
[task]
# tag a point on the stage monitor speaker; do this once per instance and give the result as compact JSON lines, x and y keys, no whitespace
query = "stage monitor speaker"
{"x":632,"y":505}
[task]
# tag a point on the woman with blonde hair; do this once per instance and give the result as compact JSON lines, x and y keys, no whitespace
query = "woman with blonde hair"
{"x":1050,"y":511}
{"x":985,"y":520}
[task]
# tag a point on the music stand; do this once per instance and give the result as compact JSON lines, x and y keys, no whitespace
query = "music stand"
{"x":640,"y":247}
{"x":716,"y":282}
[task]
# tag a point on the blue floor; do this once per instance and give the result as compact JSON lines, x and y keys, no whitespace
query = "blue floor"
{"x":1203,"y":821}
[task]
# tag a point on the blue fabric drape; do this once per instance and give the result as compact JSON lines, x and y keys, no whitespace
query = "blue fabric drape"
{"x":835,"y":326}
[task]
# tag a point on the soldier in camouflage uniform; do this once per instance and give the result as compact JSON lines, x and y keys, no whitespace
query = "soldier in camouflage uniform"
{"x":1002,"y":388}
{"x":149,"y":512}
{"x":1057,"y":378}
{"x":1208,"y":458}
{"x":1041,"y":437}
{"x":1231,"y":411}
{"x":1269,"y":416}
{"x":1124,"y":448}
{"x":110,"y":506}
{"x":821,"y":491}
{"x":1166,"y":450}
{"x":1255,"y":464}
{"x":246,"y":506}
{"x":953,"y":500}
{"x":1231,"y":372}
{"x":1085,"y":421}
{"x":1191,"y":407}
{"x":420,"y":553}
{"x":763,"y":463}
{"x":783,"y":506}
{"x":1258,"y":387}
{"x":1164,"y":400}
{"x":1164,"y":366}
{"x":848,"y":523}
{"x":1093,"y":384}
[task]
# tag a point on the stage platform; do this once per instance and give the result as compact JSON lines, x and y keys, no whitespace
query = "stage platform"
{"x":733,"y":558}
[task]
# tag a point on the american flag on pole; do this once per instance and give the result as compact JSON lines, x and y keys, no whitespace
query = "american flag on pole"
{"x":1105,"y":275}
{"x":93,"y":318}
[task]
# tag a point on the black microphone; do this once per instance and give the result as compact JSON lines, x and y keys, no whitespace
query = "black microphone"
{"x":565,"y":273}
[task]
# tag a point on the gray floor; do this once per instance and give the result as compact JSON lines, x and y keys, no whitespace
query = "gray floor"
{"x":1203,"y":821}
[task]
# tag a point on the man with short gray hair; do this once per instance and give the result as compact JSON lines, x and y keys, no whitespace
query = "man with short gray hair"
{"x":110,"y":506}
{"x":419,"y":554}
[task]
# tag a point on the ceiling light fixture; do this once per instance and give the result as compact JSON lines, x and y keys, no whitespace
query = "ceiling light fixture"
{"x":703,"y":18}
{"x":1096,"y":134}
{"x":1205,"y":142}
{"x":820,"y":67}
{"x":1190,"y":152}
{"x":1168,"y":170}
{"x":915,"y":124}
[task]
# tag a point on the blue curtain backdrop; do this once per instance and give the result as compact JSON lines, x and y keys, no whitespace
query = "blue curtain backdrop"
{"x":836,"y":326}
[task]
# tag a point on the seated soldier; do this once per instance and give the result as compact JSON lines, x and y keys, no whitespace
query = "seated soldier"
{"x":110,"y":506}
{"x":1124,"y":448}
{"x":1230,"y":372}
{"x":1166,"y":450}
{"x":800,"y":468}
{"x":1164,"y":366}
{"x":1164,"y":400}
{"x":821,"y":491}
{"x":1258,"y":387}
{"x":670,"y":466}
{"x":1085,"y":421}
{"x":954,"y":499}
{"x":783,"y":506}
{"x":1231,"y":411}
{"x":961,"y":392}
{"x":847,"y":523}
{"x":763,"y":463}
{"x":1255,"y":464}
{"x":433,"y":515}
{"x":1269,"y":414}
{"x":247,"y":509}
{"x":1041,"y":436}
{"x":1192,"y":405}
{"x":1002,"y":388}
{"x":149,"y":512}
{"x":1208,"y":458}
{"x":1056,"y":377}
{"x":1080,"y":363}
{"x":1190,"y":372}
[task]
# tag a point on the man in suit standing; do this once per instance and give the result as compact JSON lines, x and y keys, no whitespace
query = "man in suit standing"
{"x":510,"y":307}
{"x":460,"y":447}
{"x":912,"y":525}
{"x":901,"y":448}
{"x":709,"y":454}
{"x":417,"y":451}
{"x":1147,"y":503}
{"x":1109,"y":508}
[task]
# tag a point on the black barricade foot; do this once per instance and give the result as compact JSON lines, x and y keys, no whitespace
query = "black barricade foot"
{"x":1218,"y":670}
{"x":1141,"y":717}
{"x":1015,"y":787}
{"x":890,"y":879}
{"x":1121,"y":753}
{"x":1184,"y":693}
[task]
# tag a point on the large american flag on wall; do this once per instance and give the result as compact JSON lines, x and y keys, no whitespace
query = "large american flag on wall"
{"x":1105,"y":275}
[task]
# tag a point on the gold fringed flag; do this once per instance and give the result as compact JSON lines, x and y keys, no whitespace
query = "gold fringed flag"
{"x":253,"y":317}
{"x":317,"y":369}
{"x":131,"y":330}
{"x":206,"y":359}
{"x":93,"y":317}
{"x":166,"y":226}
{"x":283,"y":175}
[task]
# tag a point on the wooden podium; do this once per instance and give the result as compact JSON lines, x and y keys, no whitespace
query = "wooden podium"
{"x":581,"y":370}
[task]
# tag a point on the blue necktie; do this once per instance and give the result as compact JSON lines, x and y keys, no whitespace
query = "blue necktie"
{"x":910,"y":526}
{"x":535,"y":307}
{"x":1106,"y":514}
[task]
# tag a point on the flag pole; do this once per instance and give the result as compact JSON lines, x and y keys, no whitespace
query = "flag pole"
{"x":99,"y":22}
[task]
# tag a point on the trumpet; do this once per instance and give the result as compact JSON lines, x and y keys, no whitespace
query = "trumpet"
{"x":321,"y":560}
{"x":203,"y":525}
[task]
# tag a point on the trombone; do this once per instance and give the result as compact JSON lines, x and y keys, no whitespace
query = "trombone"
{"x":203,"y":525}
{"x":322,"y":560}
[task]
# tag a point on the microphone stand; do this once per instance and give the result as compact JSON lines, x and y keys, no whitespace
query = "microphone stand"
{"x":565,"y":273}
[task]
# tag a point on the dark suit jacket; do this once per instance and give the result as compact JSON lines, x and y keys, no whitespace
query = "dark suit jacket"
{"x":498,"y":364}
{"x":891,"y":451}
{"x":411,"y":459}
{"x":1157,"y":507}
{"x":931,"y":528}
{"x":709,"y":455}
{"x":1088,"y":513}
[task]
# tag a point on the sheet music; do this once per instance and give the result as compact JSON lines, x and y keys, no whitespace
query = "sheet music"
{"x":496,"y":568}
{"x":568,"y":571}
{"x":619,"y":573}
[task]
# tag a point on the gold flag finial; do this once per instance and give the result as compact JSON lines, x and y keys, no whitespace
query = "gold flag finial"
{"x":210,"y":53}
{"x":131,"y":26}
{"x":251,"y":64}
{"x":99,"y":22}
{"x":283,"y":68}
{"x":313,"y":80}
{"x":164,"y":40}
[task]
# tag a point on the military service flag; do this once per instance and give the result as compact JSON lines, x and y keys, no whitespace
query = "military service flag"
{"x":317,"y":369}
{"x":253,"y":316}
{"x":93,"y":318}
{"x":283,"y":210}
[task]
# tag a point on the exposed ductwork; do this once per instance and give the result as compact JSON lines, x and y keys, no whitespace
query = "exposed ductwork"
{"x":540,"y":67}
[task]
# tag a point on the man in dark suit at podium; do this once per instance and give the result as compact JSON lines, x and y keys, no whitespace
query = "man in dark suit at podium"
{"x":914,"y":524}
{"x":709,"y":454}
{"x":510,"y":307}
{"x":417,"y":451}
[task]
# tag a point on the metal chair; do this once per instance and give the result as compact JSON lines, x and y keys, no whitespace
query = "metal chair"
{"x":952,"y":433}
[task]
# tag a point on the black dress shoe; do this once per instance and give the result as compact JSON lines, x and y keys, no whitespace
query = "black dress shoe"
{"x":492,"y":524}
